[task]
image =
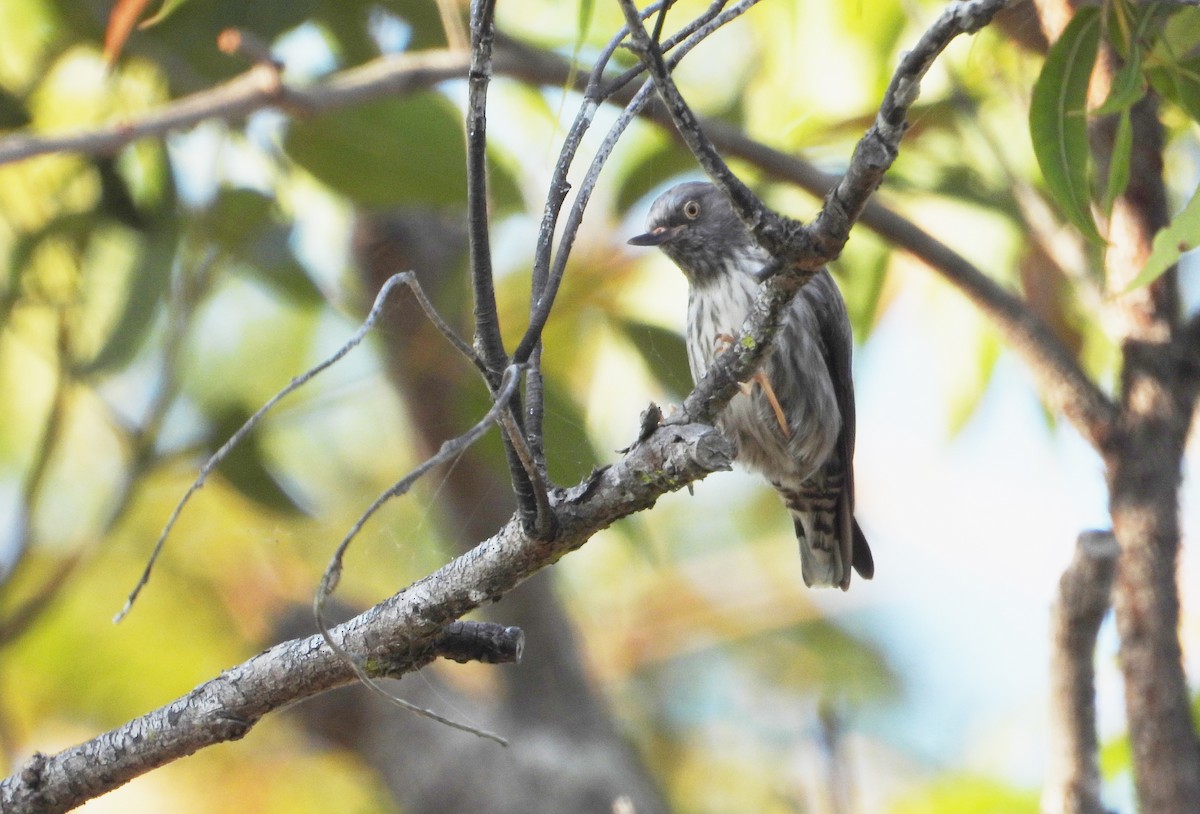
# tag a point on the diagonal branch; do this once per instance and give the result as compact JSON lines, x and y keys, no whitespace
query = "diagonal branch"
{"x":227,"y":707}
{"x":807,"y":249}
{"x":397,"y":636}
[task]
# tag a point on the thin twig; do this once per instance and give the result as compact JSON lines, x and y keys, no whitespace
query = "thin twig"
{"x":745,"y":203}
{"x":488,"y":338}
{"x":1062,"y":381}
{"x":487,"y":321}
{"x":808,"y":248}
{"x":575,"y":216}
{"x":252,"y":422}
{"x":456,"y":36}
{"x":448,"y":451}
{"x":256,"y":89}
{"x":544,"y":522}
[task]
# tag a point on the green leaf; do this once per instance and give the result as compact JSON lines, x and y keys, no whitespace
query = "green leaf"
{"x":148,"y":285}
{"x":236,"y":217}
{"x":1128,"y":87}
{"x":269,"y":259}
{"x":1057,"y":118}
{"x":12,"y":110}
{"x":664,"y":353}
{"x":1122,"y":154}
{"x":1181,"y":235}
{"x":1180,"y":83}
{"x":245,"y":466}
{"x":1176,"y":64}
{"x":394,"y":151}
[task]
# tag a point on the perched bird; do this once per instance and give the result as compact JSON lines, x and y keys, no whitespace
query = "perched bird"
{"x":794,"y":421}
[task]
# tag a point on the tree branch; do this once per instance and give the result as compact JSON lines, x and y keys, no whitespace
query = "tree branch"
{"x":487,"y":321}
{"x":396,"y":636}
{"x":1063,"y":383}
{"x":257,"y":89}
{"x":1073,"y":785}
{"x":810,"y":248}
{"x":227,"y":707}
{"x":488,"y":339}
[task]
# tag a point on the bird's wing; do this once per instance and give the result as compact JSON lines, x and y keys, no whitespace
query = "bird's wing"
{"x":837,"y":341}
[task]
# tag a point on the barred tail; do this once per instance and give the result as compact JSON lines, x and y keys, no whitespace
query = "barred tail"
{"x":831,"y":542}
{"x":822,"y":558}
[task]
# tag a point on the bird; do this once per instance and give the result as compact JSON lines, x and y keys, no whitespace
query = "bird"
{"x":794,"y":421}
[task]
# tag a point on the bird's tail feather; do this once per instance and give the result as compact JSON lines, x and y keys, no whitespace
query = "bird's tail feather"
{"x":822,"y":562}
{"x":831,"y":543}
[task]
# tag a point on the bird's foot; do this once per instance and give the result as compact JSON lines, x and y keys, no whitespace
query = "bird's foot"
{"x":725,"y":342}
{"x":760,"y":378}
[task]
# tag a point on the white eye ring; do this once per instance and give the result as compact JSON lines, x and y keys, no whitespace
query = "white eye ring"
{"x":691,"y":210}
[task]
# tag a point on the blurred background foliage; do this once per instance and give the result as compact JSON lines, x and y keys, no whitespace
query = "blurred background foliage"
{"x":153,"y":298}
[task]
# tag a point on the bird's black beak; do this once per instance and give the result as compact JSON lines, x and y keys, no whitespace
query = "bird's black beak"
{"x":655,"y":237}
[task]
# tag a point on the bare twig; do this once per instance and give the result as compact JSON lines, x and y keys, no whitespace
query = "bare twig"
{"x":406,"y":278}
{"x":488,"y":338}
{"x":487,"y":322}
{"x":762,"y":222}
{"x":550,"y":279}
{"x":529,"y":349}
{"x":485,"y":642}
{"x":1084,"y":595}
{"x":227,"y":707}
{"x":452,"y":26}
{"x":1063,"y":383}
{"x":534,"y":470}
{"x":449,"y":450}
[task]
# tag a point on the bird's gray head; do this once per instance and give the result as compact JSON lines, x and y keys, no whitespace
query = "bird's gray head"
{"x":696,"y":227}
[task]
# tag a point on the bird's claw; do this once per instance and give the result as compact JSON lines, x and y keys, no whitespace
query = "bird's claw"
{"x":765,"y":384}
{"x":725,"y":342}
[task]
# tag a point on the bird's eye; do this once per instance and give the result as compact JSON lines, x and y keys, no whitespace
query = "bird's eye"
{"x":692,"y":210}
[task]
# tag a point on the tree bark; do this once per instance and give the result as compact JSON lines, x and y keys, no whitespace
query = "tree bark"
{"x":1073,"y":784}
